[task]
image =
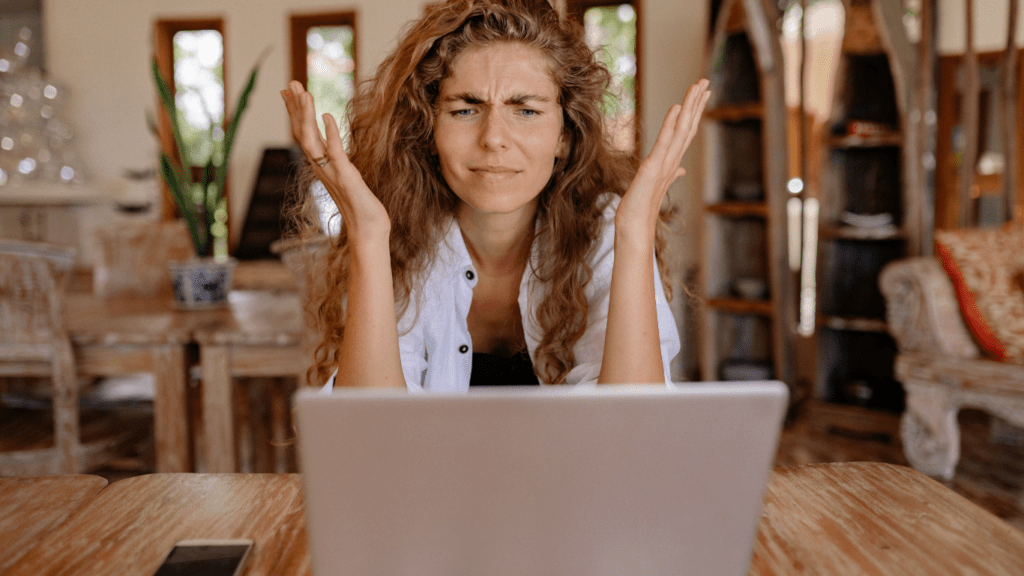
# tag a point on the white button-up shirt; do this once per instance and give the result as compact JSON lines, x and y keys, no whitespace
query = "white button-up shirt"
{"x":434,"y":340}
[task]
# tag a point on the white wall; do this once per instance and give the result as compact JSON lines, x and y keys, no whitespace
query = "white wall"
{"x":101,"y":49}
{"x":990,"y":25}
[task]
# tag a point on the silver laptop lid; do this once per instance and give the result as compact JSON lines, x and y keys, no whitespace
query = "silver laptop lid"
{"x":613,"y":480}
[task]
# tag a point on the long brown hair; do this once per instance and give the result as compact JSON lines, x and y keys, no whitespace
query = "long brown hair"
{"x":392,"y":120}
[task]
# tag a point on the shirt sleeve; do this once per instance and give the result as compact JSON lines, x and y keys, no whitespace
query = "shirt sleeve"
{"x":589,"y":349}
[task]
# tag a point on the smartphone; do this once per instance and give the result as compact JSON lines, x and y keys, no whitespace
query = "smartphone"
{"x":206,"y":558}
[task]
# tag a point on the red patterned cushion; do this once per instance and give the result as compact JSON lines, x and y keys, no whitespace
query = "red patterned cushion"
{"x":984,"y":265}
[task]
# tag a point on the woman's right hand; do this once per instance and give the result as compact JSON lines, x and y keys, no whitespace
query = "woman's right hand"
{"x":363,"y":214}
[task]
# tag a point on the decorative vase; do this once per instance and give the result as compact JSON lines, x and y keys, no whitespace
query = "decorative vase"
{"x":202,"y":283}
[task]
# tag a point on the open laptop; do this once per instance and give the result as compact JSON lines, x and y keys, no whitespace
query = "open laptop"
{"x":555,"y":481}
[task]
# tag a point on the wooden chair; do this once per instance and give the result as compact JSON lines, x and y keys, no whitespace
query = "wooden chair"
{"x":34,"y":343}
{"x":131,"y":259}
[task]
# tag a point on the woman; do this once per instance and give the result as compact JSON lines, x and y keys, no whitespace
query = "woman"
{"x":485,"y":211}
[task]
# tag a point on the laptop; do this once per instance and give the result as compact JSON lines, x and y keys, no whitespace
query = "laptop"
{"x":550,"y":481}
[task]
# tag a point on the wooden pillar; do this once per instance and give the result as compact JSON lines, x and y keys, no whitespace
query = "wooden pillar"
{"x":1009,"y":105}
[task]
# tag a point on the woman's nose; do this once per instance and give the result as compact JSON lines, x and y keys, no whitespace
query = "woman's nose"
{"x":493,"y":131}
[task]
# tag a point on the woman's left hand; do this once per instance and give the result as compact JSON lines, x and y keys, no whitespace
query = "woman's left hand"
{"x":641,"y":204}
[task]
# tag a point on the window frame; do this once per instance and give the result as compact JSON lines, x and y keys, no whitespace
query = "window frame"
{"x":298,"y":27}
{"x":575,"y":9}
{"x":164,"y":31}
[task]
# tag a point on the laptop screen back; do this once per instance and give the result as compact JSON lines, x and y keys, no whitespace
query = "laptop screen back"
{"x":614,"y":480}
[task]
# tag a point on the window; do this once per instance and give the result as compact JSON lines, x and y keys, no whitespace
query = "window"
{"x":192,"y":53}
{"x":324,"y":61}
{"x":323,"y":49}
{"x":612,"y":30}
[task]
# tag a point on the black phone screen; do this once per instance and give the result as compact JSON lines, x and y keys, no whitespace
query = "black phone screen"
{"x":203,"y":560}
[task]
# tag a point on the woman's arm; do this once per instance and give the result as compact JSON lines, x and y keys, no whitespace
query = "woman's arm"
{"x":369,"y":354}
{"x":632,"y":352}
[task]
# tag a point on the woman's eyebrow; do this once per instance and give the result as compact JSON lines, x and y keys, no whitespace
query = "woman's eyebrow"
{"x":513,"y":100}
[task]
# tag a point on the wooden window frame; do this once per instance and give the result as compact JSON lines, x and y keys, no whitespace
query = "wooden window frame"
{"x":299,"y":25}
{"x":575,"y":10}
{"x":164,"y":31}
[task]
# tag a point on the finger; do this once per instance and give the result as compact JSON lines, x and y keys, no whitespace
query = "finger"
{"x":686,"y":122}
{"x":293,"y":102}
{"x":300,"y":107}
{"x":338,"y":166}
{"x":665,"y":134}
{"x":335,"y":147}
{"x":696,"y":119}
{"x":311,"y":140}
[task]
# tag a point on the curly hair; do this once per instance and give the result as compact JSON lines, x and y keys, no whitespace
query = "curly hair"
{"x":391,"y":119}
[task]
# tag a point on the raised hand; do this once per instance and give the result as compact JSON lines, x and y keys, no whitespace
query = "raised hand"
{"x":632,"y":351}
{"x":362,"y":212}
{"x":642,"y":201}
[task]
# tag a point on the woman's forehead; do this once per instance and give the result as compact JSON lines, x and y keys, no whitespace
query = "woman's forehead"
{"x":499,"y":71}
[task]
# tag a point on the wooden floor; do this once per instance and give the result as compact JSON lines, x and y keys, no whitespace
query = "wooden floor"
{"x":991,"y":474}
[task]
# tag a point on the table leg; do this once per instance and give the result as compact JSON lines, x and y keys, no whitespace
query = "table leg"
{"x":218,"y":408}
{"x":170,"y":409}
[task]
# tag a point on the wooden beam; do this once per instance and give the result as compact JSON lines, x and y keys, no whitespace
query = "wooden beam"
{"x":969,"y":120}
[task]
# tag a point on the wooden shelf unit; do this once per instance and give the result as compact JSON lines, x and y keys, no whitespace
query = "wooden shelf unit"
{"x":864,"y":175}
{"x":744,"y":200}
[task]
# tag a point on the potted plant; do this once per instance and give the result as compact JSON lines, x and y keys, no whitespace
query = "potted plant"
{"x":198,"y":192}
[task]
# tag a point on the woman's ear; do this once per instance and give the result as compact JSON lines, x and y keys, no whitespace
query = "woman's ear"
{"x":562,"y":150}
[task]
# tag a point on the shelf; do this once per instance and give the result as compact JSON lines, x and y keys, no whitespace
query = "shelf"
{"x":852,"y":324}
{"x":879,"y":141}
{"x":741,"y":306}
{"x":736,"y":209}
{"x":855,"y":233}
{"x":736,"y":112}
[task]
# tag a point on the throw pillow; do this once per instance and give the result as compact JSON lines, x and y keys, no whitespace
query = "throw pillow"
{"x":984,"y":265}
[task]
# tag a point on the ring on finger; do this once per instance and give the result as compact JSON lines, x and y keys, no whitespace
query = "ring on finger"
{"x":321,"y":161}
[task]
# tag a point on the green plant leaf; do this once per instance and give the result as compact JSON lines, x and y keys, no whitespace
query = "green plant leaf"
{"x":179,"y":187}
{"x":211,"y":196}
{"x":167,"y":98}
{"x":236,"y":117}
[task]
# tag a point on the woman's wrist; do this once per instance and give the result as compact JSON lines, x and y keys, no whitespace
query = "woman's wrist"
{"x":634,"y":237}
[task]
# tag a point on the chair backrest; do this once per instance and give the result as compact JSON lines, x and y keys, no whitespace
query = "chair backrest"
{"x":131,"y":259}
{"x":296,"y":256}
{"x":32,"y":280}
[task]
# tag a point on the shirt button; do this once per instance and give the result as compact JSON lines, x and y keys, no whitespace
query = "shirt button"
{"x":463,"y":349}
{"x":470,"y":275}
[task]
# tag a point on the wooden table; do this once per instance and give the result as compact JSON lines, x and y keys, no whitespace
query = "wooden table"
{"x":261,"y":337}
{"x":835,"y":519}
{"x":257,"y":334}
{"x":31,"y":507}
{"x":870,"y":518}
{"x":118,"y":336}
{"x":131,"y":526}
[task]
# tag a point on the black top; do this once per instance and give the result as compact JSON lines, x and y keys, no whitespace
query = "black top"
{"x":491,"y":370}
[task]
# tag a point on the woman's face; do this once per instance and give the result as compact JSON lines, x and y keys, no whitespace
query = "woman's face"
{"x":499,"y":127}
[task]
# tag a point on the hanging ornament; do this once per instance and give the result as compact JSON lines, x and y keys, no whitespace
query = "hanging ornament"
{"x":36,"y":141}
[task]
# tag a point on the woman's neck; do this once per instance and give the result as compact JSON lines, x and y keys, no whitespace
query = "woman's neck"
{"x":498,"y":244}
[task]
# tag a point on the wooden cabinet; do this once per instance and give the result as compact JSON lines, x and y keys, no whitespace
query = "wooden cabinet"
{"x":870,"y":213}
{"x":747,"y":308}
